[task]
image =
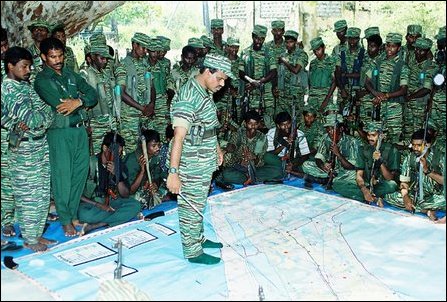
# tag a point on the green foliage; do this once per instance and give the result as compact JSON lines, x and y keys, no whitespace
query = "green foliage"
{"x":134,"y":12}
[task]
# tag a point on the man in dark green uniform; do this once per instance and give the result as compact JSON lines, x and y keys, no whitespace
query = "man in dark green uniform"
{"x":67,"y":93}
{"x":195,"y":153}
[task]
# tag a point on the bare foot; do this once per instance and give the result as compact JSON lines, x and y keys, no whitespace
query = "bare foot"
{"x":8,"y":231}
{"x":47,"y":241}
{"x":380,"y":202}
{"x":432,"y":215}
{"x":76,"y":223}
{"x":69,"y":230}
{"x":84,"y":229}
{"x":441,"y":221}
{"x":37,"y":247}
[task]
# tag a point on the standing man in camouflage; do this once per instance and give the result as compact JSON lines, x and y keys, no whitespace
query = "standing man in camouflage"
{"x":186,"y":68}
{"x":58,"y":31}
{"x":40,"y":30}
{"x":438,"y":110}
{"x":340,"y":28}
{"x":277,"y":46}
{"x":67,"y":93}
{"x":195,"y":153}
{"x":387,"y":81}
{"x":414,"y":31}
{"x":217,"y":30}
{"x":166,"y":46}
{"x":258,"y":71}
{"x":29,"y":117}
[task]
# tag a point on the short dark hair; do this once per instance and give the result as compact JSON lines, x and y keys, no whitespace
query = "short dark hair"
{"x":419,"y":134}
{"x":51,"y":43}
{"x":252,"y":115}
{"x":188,"y":49}
{"x":16,"y":54}
{"x":282,"y":117}
{"x":151,"y":135}
{"x":109,"y":137}
{"x":4,"y":35}
{"x":375,"y":39}
{"x":290,"y":38}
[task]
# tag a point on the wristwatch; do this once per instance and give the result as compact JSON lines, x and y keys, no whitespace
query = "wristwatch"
{"x":173,"y":170}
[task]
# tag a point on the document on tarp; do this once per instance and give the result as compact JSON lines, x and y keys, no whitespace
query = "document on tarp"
{"x":105,"y":271}
{"x":85,"y":253}
{"x":134,"y":238}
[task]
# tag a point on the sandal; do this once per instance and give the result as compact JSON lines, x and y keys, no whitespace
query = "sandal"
{"x":8,"y":231}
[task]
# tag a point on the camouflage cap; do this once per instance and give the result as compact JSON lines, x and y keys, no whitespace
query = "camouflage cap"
{"x":100,"y":49}
{"x":154,"y":44}
{"x":165,"y":42}
{"x":98,"y":38}
{"x":217,"y":23}
{"x":414,"y":29}
{"x":332,"y":108}
{"x":330,"y":119}
{"x":371,"y":31}
{"x":207,"y":42}
{"x":340,"y":25}
{"x":291,"y":33}
{"x":372,"y":126}
{"x":60,"y":26}
{"x":441,"y":33}
{"x":260,"y":31}
{"x":233,"y":42}
{"x":393,"y":38}
{"x":39,"y":23}
{"x":315,"y":43}
{"x":353,"y":32}
{"x":278,"y":24}
{"x":141,"y":39}
{"x":423,"y":43}
{"x":219,"y":62}
{"x":310,"y":109}
{"x":196,"y":43}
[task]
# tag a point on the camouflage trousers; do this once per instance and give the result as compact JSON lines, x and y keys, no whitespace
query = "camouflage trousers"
{"x":317,"y":96}
{"x":100,"y":126}
{"x":392,"y":113}
{"x":130,"y":131}
{"x":287,"y":101}
{"x":31,"y":185}
{"x":438,"y":114}
{"x":430,"y":202}
{"x":7,"y":199}
{"x":414,"y":117}
{"x":269,"y":102}
{"x":161,"y":118}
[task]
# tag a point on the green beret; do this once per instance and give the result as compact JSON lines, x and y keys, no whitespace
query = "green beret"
{"x":165,"y":42}
{"x":340,"y":25}
{"x":371,"y":31}
{"x":196,"y":43}
{"x":154,"y":44}
{"x":414,"y":29}
{"x":372,"y":126}
{"x":98,"y":38}
{"x":233,"y":42}
{"x":100,"y":49}
{"x":441,"y":33}
{"x":310,"y":109}
{"x":291,"y":33}
{"x":207,"y":42}
{"x":60,"y":26}
{"x":330,"y":119}
{"x":315,"y":43}
{"x":260,"y":31}
{"x":423,"y":43}
{"x":217,"y":23}
{"x":141,"y":39}
{"x":353,"y":32}
{"x":39,"y":23}
{"x":395,"y":38}
{"x":278,"y":24}
{"x":219,"y":62}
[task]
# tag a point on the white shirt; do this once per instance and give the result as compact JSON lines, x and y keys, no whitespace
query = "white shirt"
{"x":300,"y":139}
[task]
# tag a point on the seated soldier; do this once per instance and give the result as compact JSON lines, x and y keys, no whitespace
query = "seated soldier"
{"x":377,"y":168}
{"x":285,"y":146}
{"x":247,"y":148}
{"x":105,"y":201}
{"x":421,"y":187}
{"x":148,"y":193}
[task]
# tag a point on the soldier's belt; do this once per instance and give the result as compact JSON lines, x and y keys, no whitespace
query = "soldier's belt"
{"x":209,"y":133}
{"x":35,"y":138}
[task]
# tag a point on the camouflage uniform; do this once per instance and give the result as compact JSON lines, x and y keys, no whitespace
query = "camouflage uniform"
{"x":35,"y":51}
{"x":386,"y":76}
{"x":339,"y":26}
{"x":70,"y":59}
{"x":277,"y":50}
{"x":180,"y":77}
{"x":30,"y":173}
{"x":420,"y":76}
{"x":407,"y":51}
{"x":215,"y":49}
{"x":438,"y":111}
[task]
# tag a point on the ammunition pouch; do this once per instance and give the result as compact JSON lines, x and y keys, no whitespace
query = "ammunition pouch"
{"x":197,"y":134}
{"x":15,"y":137}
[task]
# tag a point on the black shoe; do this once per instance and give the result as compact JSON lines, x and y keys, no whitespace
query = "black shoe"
{"x":224,"y":186}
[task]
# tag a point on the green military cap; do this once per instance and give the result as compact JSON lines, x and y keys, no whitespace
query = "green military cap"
{"x":98,"y":38}
{"x":441,"y":33}
{"x":217,"y":23}
{"x":310,"y":109}
{"x":371,"y":31}
{"x":100,"y":49}
{"x":233,"y":42}
{"x":207,"y":42}
{"x":330,"y":119}
{"x":60,"y":26}
{"x":260,"y":31}
{"x":196,"y":43}
{"x":414,"y":29}
{"x":219,"y":62}
{"x":315,"y":43}
{"x":154,"y":44}
{"x":278,"y":24}
{"x":340,"y":25}
{"x":394,"y":38}
{"x":353,"y":32}
{"x":372,"y":126}
{"x":165,"y":42}
{"x":141,"y":39}
{"x":423,"y":43}
{"x":39,"y":23}
{"x":291,"y":33}
{"x":87,"y":48}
